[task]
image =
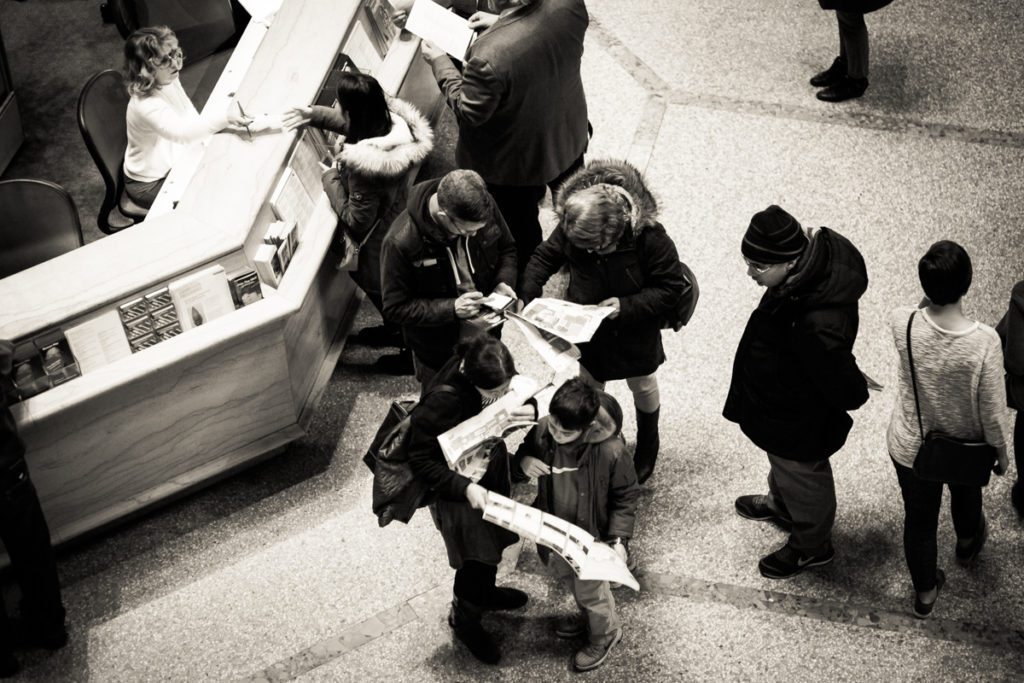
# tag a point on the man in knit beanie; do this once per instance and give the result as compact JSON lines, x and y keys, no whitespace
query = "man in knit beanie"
{"x":795,"y":379}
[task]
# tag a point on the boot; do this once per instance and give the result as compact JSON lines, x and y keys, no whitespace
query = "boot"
{"x":464,"y":618}
{"x":395,"y":363}
{"x":647,"y":444}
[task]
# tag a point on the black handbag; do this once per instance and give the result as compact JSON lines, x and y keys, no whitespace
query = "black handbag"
{"x":946,"y":458}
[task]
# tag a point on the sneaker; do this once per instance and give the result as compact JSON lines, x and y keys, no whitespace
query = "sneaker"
{"x":759,"y":509}
{"x":786,"y":562}
{"x":830,"y":75}
{"x":967,"y":551}
{"x":505,"y":598}
{"x":592,"y":655}
{"x":378,"y":336}
{"x":395,"y":364}
{"x":570,"y":626}
{"x":846,"y":89}
{"x":922,"y":609}
{"x":478,"y":641}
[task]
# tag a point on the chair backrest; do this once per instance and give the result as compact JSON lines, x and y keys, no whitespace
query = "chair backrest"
{"x":38,"y":221}
{"x":203,"y":27}
{"x":101,"y":118}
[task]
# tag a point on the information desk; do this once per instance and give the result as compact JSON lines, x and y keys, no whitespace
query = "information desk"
{"x":196,"y":406}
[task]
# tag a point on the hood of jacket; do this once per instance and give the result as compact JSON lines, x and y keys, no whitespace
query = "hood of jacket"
{"x":620,"y":173}
{"x":608,"y":421}
{"x":419,"y":213}
{"x":831,"y":272}
{"x":407,"y":143}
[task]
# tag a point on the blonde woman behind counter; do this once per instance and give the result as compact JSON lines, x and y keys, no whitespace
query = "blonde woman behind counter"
{"x":161,"y":118}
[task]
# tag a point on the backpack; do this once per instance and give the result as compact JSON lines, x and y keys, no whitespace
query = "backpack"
{"x":396,"y":491}
{"x":684,"y":309}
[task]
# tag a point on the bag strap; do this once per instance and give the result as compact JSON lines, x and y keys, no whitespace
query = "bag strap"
{"x":913,"y":376}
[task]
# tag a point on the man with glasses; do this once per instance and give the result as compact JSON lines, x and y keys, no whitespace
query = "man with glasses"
{"x":795,"y":379}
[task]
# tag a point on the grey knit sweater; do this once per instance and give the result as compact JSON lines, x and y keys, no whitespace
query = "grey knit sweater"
{"x":959,"y":383}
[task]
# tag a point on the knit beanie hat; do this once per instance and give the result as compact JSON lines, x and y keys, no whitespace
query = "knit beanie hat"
{"x":773,"y":237}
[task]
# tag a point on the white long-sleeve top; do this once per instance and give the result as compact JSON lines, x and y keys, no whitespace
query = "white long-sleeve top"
{"x":959,"y":384}
{"x":160,"y":124}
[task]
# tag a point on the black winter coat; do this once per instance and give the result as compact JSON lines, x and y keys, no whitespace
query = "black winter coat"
{"x":419,"y":281}
{"x":643,"y":272}
{"x":863,"y":6}
{"x":795,"y":377}
{"x":1011,"y":333}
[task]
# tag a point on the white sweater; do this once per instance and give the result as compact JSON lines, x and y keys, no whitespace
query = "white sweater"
{"x":160,"y":124}
{"x":959,"y":384}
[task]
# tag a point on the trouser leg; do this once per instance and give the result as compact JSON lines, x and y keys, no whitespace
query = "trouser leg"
{"x":520,"y":207}
{"x":597,"y":603}
{"x":1018,"y":445}
{"x":808,"y":494}
{"x":853,"y":43}
{"x":965,"y":507}
{"x":26,"y":537}
{"x":474,"y":581}
{"x":921,"y":502}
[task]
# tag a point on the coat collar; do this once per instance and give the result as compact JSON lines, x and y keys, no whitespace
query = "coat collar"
{"x":512,"y":17}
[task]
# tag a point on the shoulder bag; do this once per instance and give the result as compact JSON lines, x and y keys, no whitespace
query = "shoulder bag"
{"x":946,"y":458}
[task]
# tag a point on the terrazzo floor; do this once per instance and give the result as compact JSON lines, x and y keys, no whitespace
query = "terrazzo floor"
{"x":281,"y":573}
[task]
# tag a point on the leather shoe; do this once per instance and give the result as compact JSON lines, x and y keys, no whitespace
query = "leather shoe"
{"x":846,"y":89}
{"x":831,"y":75}
{"x":504,"y":598}
{"x":923,"y":609}
{"x":395,"y":363}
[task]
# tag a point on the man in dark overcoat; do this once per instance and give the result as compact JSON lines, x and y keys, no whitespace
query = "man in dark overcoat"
{"x":795,"y":378}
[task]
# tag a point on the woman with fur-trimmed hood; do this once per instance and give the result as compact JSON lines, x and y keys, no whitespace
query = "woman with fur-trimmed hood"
{"x":618,"y":255}
{"x":384,"y":140}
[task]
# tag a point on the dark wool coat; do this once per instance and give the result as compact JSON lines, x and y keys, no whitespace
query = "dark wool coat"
{"x":863,"y":6}
{"x":12,"y":449}
{"x":466,"y":535}
{"x":643,"y":272}
{"x":419,"y":280}
{"x":370,"y":186}
{"x":519,"y":99}
{"x":606,"y":479}
{"x":794,"y":377}
{"x":1011,"y":332}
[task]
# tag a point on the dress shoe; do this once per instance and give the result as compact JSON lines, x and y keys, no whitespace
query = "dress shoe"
{"x":846,"y":89}
{"x":464,"y":618}
{"x":923,"y":609}
{"x":504,"y":598}
{"x":378,"y":336}
{"x":395,"y":363}
{"x":831,"y":75}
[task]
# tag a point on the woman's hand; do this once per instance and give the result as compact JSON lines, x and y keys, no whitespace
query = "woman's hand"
{"x":614,"y":303}
{"x":1002,"y":462}
{"x":296,"y":116}
{"x":477,"y":496}
{"x":467,"y":305}
{"x":481,"y":21}
{"x":620,"y":550}
{"x":239,"y":121}
{"x":533,"y":467}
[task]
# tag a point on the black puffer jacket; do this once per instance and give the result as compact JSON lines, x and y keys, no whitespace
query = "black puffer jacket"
{"x":794,"y":377}
{"x":419,"y":279}
{"x":643,"y":272}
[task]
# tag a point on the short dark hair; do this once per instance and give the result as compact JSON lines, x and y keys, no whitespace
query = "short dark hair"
{"x":361,"y":96}
{"x":945,"y":272}
{"x":463,"y":195}
{"x":486,"y":362}
{"x":575,"y":404}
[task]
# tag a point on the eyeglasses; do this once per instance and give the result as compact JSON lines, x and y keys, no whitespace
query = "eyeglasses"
{"x":175,"y":56}
{"x":758,"y":268}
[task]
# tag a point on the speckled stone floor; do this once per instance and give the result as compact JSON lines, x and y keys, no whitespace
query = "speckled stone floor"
{"x":281,"y":573}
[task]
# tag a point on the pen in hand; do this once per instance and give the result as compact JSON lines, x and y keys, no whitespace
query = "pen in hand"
{"x":242,"y":112}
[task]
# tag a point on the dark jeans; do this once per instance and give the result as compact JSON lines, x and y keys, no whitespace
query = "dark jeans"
{"x":519,"y":206}
{"x":142,"y":192}
{"x":27,"y":540}
{"x":853,"y":43}
{"x":922,"y":501}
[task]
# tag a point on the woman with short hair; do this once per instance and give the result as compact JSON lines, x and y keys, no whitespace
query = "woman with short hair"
{"x":161,"y":119}
{"x":958,"y":365}
{"x":618,"y":255}
{"x":384,"y":139}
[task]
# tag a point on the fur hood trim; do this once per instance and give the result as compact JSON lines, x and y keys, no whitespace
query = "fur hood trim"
{"x":620,"y":173}
{"x":407,"y":144}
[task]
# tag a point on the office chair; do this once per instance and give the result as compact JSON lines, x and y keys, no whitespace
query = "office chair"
{"x":101,"y":118}
{"x":38,"y":221}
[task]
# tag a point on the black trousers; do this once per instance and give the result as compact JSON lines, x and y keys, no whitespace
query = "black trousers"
{"x":26,"y":537}
{"x":922,"y":501}
{"x":520,"y":207}
{"x":474,"y":581}
{"x":1018,"y":445}
{"x":853,"y":43}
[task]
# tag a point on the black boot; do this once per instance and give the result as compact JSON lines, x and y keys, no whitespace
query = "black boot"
{"x":504,"y":598}
{"x":647,"y":444}
{"x":395,"y":363}
{"x":846,"y":89}
{"x":831,"y":75}
{"x":464,"y":618}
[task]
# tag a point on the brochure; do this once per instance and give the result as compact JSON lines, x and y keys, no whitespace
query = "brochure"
{"x":447,"y":30}
{"x":574,"y":323}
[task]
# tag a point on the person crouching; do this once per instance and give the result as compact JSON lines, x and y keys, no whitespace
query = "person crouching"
{"x":586,"y":477}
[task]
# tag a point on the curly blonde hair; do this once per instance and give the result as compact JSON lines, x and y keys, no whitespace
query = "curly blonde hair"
{"x":145,"y":50}
{"x":595,"y":217}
